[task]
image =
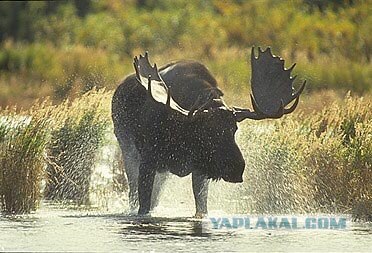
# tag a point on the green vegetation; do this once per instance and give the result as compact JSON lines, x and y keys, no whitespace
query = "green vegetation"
{"x":65,"y":48}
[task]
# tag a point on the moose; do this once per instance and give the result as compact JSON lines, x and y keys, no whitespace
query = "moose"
{"x":173,"y":119}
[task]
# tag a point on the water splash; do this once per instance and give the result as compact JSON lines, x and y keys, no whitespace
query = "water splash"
{"x":176,"y":197}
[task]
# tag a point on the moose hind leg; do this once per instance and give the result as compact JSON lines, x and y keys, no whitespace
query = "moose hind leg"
{"x":200,"y":190}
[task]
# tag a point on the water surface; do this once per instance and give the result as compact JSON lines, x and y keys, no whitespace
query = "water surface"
{"x":55,"y":229}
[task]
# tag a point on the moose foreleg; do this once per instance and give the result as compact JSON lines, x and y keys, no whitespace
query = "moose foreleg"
{"x":200,"y":190}
{"x":145,"y":184}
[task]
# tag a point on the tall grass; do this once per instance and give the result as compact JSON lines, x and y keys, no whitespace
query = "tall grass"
{"x":53,"y":143}
{"x":73,"y":146}
{"x":23,"y":140}
{"x":312,"y":162}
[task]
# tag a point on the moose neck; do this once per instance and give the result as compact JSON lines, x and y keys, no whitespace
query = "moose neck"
{"x":183,"y":135}
{"x":192,"y":133}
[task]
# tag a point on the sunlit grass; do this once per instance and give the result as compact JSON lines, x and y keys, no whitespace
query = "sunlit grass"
{"x":56,"y":143}
{"x":312,"y":162}
{"x":23,"y":139}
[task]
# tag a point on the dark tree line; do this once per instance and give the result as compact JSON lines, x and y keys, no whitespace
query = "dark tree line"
{"x":18,"y":18}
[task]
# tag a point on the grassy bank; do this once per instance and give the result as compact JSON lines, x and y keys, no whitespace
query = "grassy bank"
{"x":56,"y":144}
{"x":317,"y":162}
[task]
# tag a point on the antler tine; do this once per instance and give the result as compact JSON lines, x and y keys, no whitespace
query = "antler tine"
{"x":194,"y":106}
{"x":155,"y":68}
{"x":204,"y":106}
{"x":253,"y":57}
{"x":296,"y":96}
{"x":210,"y":100}
{"x":298,"y":93}
{"x":280,"y":112}
{"x":291,"y":68}
{"x":293,"y":107}
{"x":146,"y":56}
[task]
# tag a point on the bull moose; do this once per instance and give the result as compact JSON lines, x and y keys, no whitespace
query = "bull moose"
{"x":174,"y":119}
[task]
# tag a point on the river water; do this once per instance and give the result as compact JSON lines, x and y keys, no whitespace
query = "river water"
{"x":56,"y":229}
{"x":170,"y":228}
{"x":108,"y":227}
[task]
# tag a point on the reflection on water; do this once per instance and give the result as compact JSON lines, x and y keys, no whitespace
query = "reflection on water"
{"x":163,"y":228}
{"x":53,"y":229}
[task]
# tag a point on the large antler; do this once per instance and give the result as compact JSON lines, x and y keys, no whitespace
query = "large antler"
{"x":272,"y":88}
{"x":149,"y":77}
